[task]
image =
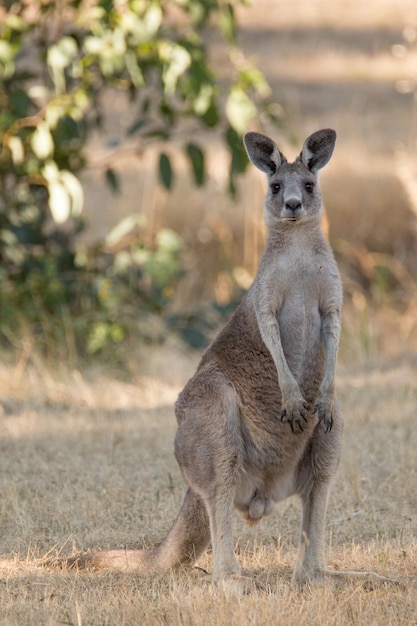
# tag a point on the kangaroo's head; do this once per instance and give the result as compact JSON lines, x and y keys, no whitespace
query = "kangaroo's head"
{"x":293,"y":194}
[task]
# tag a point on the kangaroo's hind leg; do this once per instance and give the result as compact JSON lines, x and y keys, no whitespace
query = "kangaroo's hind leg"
{"x":311,"y":565}
{"x":310,"y":558}
{"x":314,"y":480}
{"x":208,"y":448}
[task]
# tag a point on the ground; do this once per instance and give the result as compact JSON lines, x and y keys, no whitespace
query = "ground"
{"x":86,"y":461}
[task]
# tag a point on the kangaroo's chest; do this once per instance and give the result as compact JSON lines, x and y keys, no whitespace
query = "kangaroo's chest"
{"x":301,"y":282}
{"x":299,"y":277}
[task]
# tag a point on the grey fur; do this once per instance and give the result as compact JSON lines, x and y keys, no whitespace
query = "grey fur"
{"x":258,"y":421}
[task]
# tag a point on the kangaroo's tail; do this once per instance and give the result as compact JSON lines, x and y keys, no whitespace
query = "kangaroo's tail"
{"x":187,"y":539}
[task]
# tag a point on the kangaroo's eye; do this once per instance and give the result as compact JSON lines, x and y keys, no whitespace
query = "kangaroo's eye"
{"x":309,"y":187}
{"x":275,"y":187}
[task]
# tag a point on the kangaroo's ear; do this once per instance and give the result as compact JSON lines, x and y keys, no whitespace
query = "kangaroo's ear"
{"x":263,"y":152}
{"x":318,"y":149}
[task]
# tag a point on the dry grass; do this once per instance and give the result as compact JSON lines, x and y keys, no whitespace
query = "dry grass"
{"x":86,"y":461}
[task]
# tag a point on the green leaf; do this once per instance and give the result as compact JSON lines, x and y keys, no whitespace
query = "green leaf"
{"x":7,"y":54}
{"x":17,"y":150}
{"x":112,"y":180}
{"x":252,"y":78}
{"x":74,"y":190}
{"x":93,"y":45}
{"x":59,"y":202}
{"x":135,"y":127}
{"x":61,"y":54}
{"x":168,"y":240}
{"x":15,"y":22}
{"x":66,"y":194}
{"x":42,"y":142}
{"x":134,"y":70}
{"x":203,"y":99}
{"x":228,"y":23}
{"x":165,"y":171}
{"x":211,"y":117}
{"x":20,"y":103}
{"x":6,"y":51}
{"x":124,"y":228}
{"x":197,"y":161}
{"x":176,"y":60}
{"x":240,"y":110}
{"x":59,"y":57}
{"x":152,"y":19}
{"x":239,"y":160}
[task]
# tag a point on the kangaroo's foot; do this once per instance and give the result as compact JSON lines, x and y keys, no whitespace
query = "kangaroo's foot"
{"x":236,"y":584}
{"x":370,"y":580}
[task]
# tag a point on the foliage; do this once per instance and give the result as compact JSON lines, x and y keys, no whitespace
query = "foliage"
{"x":57,"y":60}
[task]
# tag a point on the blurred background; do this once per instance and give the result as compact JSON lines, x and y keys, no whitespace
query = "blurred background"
{"x":127,"y":208}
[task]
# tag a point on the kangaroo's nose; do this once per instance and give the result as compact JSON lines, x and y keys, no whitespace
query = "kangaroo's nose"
{"x":293,"y":204}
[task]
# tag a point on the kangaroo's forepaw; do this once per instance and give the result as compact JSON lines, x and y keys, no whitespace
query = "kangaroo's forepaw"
{"x":324,"y":407}
{"x":294,"y":412}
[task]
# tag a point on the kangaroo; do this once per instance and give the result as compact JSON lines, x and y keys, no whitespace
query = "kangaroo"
{"x":258,"y":421}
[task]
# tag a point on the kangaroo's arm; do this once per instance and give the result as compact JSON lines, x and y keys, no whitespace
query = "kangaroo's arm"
{"x":330,"y":333}
{"x":267,"y":305}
